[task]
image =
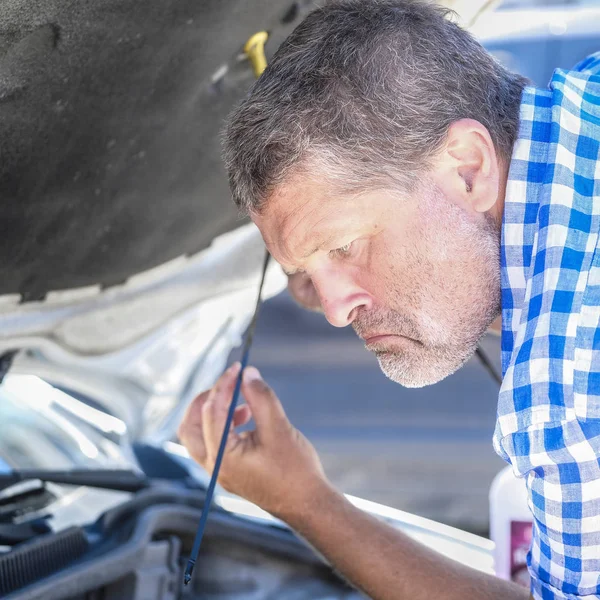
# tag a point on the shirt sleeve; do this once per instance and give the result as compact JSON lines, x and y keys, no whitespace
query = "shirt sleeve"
{"x":561,"y":463}
{"x":548,"y":423}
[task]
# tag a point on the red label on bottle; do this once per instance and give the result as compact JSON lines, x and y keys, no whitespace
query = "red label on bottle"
{"x":520,"y":542}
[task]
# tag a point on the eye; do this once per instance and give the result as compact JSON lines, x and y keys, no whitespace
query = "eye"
{"x":341,"y":252}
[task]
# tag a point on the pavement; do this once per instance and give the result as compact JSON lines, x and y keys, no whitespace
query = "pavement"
{"x":427,"y":451}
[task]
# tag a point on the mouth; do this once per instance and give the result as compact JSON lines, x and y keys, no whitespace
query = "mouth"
{"x":382,"y":338}
{"x":378,"y":337}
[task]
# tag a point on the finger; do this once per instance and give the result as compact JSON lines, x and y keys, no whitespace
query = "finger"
{"x":192,"y":419}
{"x":266,"y":408}
{"x":190,"y":429}
{"x":226,"y":380}
{"x":193,"y":413}
{"x":242,"y":416}
{"x":214,"y":413}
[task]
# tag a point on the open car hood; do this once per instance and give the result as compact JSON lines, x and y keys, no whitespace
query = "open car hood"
{"x":110,"y":113}
{"x":127,"y":274}
{"x":126,"y":270}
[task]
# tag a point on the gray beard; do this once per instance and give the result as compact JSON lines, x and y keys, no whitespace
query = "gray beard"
{"x":425,"y":367}
{"x":429,"y":361}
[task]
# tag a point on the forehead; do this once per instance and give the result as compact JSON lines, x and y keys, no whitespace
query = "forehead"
{"x":308,"y":213}
{"x":299,"y":211}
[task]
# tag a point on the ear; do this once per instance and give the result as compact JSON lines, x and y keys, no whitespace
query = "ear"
{"x":470,"y":166}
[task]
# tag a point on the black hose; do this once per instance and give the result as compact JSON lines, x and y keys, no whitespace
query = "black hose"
{"x":488,"y":365}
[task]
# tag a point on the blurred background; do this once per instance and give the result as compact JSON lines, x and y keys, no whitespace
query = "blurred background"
{"x":426,"y":451}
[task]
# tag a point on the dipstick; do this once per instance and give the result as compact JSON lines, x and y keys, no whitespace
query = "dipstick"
{"x":213,"y":480}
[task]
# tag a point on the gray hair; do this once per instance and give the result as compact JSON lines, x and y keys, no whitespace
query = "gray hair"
{"x":363,"y":93}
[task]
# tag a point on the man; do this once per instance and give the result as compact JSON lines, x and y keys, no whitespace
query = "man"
{"x":422,"y":189}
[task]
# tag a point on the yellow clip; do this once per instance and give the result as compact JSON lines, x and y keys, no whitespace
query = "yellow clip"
{"x":255,"y":50}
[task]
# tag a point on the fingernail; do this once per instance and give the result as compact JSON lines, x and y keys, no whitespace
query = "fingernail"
{"x":234,"y":369}
{"x":252,"y":374}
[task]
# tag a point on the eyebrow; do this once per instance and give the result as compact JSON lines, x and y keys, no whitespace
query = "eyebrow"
{"x":295,"y":271}
{"x":309,"y":254}
{"x":320,"y":246}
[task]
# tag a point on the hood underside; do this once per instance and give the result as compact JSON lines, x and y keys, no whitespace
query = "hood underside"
{"x":110,"y":118}
{"x":111,"y":179}
{"x":110,"y":114}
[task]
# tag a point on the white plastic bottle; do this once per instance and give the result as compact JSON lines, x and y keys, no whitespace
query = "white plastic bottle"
{"x":510,"y":526}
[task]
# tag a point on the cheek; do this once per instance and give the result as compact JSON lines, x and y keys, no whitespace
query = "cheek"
{"x":424,"y":276}
{"x":455,"y":281}
{"x":396,"y":271}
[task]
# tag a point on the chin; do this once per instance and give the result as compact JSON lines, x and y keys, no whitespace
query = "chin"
{"x":420,"y":371}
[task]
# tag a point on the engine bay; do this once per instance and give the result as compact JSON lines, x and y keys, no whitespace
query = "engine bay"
{"x":138,"y":551}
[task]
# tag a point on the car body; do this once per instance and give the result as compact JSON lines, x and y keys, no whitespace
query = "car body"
{"x":77,"y":541}
{"x":534,"y":37}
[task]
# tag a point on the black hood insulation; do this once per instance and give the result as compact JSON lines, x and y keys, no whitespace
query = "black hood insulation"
{"x":110,"y":118}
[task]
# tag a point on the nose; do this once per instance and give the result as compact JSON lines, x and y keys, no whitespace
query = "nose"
{"x":340,"y":296}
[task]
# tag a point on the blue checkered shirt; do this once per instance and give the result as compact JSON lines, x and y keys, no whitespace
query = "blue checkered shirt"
{"x":548,"y":424}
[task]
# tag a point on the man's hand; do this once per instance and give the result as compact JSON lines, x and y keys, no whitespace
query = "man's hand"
{"x":273,"y":466}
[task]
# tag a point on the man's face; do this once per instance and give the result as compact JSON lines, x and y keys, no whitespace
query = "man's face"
{"x":417,"y":277}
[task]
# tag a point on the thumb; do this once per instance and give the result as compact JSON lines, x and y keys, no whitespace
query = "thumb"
{"x":266,"y":408}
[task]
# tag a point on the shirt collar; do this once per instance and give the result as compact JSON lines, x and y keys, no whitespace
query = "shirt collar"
{"x":521,"y":205}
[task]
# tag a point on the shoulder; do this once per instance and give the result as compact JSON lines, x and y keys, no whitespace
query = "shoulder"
{"x":590,"y":64}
